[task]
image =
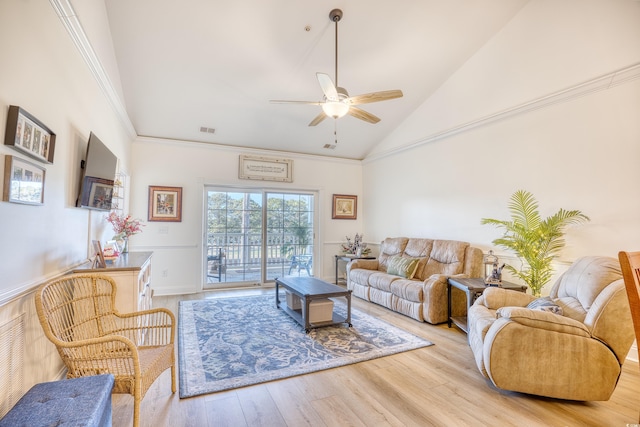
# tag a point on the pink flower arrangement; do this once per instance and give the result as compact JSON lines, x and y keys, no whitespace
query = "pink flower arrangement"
{"x":124,"y":226}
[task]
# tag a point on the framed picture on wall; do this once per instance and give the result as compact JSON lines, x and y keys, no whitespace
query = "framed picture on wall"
{"x":23,"y":181}
{"x":29,"y":135}
{"x":265,"y":168}
{"x":98,"y":261}
{"x":344,"y":206}
{"x":165,"y":204}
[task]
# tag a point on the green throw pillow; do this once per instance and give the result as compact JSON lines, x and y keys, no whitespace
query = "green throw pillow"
{"x":402,"y":266}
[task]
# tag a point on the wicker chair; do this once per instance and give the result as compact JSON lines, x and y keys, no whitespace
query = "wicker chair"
{"x":630,"y":264}
{"x":78,"y":314}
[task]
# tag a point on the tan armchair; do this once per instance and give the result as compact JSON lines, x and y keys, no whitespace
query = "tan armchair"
{"x":77,"y":313}
{"x":577,"y":355}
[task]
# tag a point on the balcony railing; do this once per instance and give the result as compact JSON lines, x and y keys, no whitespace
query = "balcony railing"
{"x":238,"y":257}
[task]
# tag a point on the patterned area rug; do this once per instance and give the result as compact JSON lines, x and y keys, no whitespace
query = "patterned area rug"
{"x":227,"y":343}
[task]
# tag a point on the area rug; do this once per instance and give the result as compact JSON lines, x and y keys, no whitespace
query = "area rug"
{"x":226,"y":343}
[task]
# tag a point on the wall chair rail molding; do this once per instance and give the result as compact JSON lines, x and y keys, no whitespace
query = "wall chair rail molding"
{"x":597,"y":84}
{"x":20,"y":290}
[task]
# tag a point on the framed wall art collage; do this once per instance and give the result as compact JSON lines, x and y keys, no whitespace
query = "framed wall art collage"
{"x":23,"y":179}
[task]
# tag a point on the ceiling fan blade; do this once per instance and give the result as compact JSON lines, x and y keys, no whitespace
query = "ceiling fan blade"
{"x":363,"y":115}
{"x":328,"y":88}
{"x":280,"y":101}
{"x":375,"y":97}
{"x":320,"y":117}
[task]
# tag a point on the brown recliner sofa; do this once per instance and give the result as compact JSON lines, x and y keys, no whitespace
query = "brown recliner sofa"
{"x":424,"y":295}
{"x":576,"y":355}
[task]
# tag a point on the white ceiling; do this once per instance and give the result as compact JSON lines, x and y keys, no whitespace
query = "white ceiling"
{"x":217,"y":63}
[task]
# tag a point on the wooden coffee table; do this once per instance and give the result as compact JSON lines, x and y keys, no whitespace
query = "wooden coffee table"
{"x":310,"y":289}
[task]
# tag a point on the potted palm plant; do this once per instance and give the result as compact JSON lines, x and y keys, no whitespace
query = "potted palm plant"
{"x":536,"y":241}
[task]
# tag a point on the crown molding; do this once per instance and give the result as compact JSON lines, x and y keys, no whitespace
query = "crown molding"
{"x":604,"y":82}
{"x":72,"y":24}
{"x":243,"y":150}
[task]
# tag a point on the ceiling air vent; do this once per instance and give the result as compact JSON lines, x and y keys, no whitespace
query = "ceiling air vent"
{"x":205,"y":129}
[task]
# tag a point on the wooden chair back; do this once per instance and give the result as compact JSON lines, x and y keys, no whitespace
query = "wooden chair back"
{"x":630,"y":264}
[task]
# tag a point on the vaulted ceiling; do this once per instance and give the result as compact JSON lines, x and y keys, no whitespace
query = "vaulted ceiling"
{"x":216,"y":64}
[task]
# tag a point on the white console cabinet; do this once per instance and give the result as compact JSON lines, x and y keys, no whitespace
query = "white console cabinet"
{"x":132,"y":274}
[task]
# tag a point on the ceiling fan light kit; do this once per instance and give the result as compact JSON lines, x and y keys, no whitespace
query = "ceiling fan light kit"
{"x":335,"y":109}
{"x":336,"y":102}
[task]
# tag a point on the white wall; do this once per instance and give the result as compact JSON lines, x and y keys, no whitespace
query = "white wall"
{"x":42,"y":72}
{"x":177,"y":247}
{"x":581,"y":153}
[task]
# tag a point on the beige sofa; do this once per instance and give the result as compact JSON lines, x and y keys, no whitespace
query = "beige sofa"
{"x":571,"y":346}
{"x":423,"y":296}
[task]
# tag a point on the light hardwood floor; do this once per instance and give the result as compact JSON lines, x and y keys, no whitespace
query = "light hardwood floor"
{"x":433,"y":386}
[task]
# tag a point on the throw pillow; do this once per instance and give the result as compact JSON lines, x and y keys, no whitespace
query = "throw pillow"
{"x":402,"y":266}
{"x":545,"y":304}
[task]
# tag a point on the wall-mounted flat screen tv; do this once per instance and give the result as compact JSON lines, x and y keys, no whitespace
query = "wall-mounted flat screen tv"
{"x":98,"y":171}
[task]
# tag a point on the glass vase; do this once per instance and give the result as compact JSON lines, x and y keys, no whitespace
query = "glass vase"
{"x":124,"y":245}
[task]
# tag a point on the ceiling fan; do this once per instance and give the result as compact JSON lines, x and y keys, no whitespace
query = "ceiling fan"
{"x":336,"y":101}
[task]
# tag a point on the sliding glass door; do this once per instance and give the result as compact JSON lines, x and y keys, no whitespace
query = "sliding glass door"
{"x":254,"y":236}
{"x":290,"y":234}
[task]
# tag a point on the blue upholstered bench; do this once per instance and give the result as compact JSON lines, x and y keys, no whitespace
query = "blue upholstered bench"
{"x":76,"y":402}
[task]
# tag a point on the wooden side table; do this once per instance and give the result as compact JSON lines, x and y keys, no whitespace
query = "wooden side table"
{"x":348,"y":258}
{"x":472,"y":288}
